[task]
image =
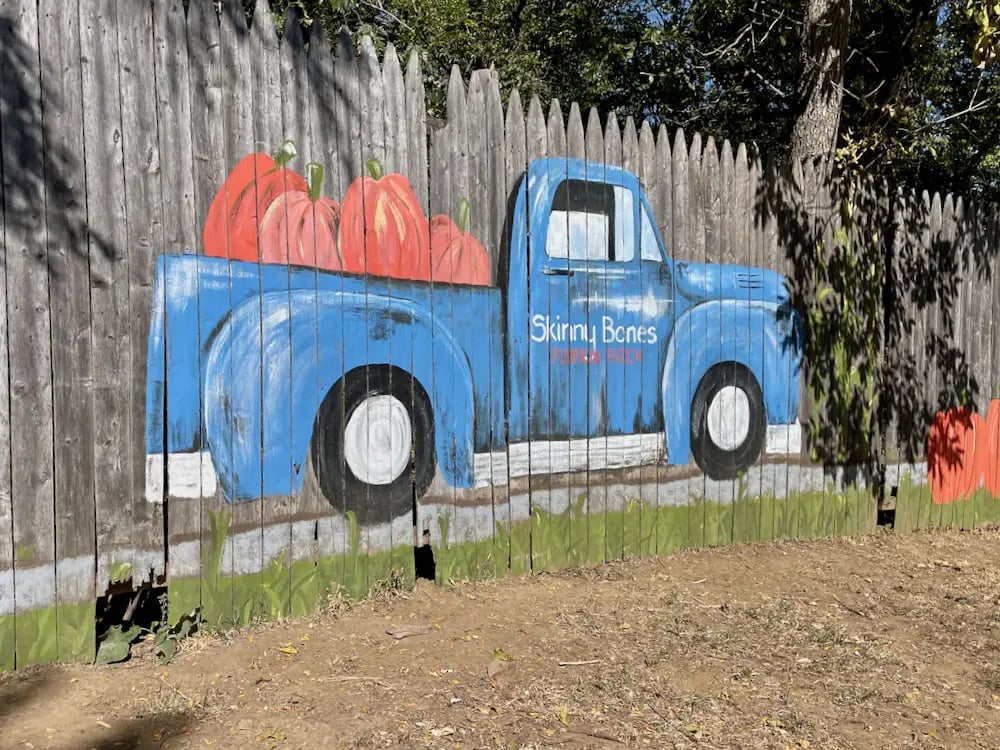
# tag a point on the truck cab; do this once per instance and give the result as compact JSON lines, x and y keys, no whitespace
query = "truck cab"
{"x":621,"y":339}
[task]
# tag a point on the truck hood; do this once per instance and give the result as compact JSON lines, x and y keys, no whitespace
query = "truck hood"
{"x":705,"y":281}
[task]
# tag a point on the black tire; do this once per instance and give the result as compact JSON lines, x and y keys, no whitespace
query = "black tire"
{"x":714,"y":460}
{"x":372,"y":503}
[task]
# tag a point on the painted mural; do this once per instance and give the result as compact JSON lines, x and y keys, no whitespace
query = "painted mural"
{"x":445,"y":333}
{"x":963,"y":454}
{"x":359,"y":337}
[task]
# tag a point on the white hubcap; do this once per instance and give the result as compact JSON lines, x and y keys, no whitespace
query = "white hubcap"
{"x":729,"y":418}
{"x":377,"y":440}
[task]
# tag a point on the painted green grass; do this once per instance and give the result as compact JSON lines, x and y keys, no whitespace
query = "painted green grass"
{"x":643,"y":530}
{"x":41,"y":636}
{"x":549,"y":541}
{"x":545,"y":541}
{"x":917,"y":511}
{"x":283,"y":589}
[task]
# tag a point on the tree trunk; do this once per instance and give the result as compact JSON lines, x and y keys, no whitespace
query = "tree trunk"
{"x":826,"y":28}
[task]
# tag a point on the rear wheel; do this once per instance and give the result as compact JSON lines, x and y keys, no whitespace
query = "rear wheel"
{"x":728,"y":421}
{"x":373,"y":444}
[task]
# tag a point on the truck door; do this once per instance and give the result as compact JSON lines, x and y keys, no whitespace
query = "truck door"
{"x":588,"y":321}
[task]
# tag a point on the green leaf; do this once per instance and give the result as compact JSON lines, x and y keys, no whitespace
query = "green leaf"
{"x":120,"y":572}
{"x":116,"y":645}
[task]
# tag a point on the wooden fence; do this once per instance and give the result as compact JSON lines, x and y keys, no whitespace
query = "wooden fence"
{"x":121,"y":123}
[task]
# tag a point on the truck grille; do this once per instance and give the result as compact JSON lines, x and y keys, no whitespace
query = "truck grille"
{"x":750,"y":280}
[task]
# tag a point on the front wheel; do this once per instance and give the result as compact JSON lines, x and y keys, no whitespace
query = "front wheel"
{"x":373,"y":444}
{"x":728,"y":421}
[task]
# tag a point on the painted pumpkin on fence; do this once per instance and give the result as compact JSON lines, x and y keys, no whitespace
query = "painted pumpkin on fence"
{"x":952,"y":460}
{"x":383,"y":230}
{"x":456,"y":256}
{"x":300,"y":227}
{"x":231,"y":226}
{"x":989,"y":450}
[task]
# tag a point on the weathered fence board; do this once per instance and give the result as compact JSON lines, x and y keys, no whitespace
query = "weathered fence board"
{"x":515,"y":163}
{"x":26,"y":183}
{"x":178,"y":173}
{"x":108,"y":312}
{"x":188,"y":521}
{"x":7,"y":626}
{"x":69,"y":312}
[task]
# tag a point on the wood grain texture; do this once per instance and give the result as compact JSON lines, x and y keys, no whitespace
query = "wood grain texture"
{"x":69,"y":300}
{"x":480,"y":226}
{"x":112,"y":452}
{"x":663,"y":208}
{"x":187,"y":518}
{"x":497,"y":196}
{"x":26,"y":254}
{"x":8,"y":625}
{"x":515,"y":164}
{"x":650,"y":178}
{"x":597,"y":492}
{"x":325,"y":129}
{"x":265,"y":71}
{"x":536,"y":146}
{"x":416,"y":132}
{"x":178,"y":167}
{"x":397,"y":142}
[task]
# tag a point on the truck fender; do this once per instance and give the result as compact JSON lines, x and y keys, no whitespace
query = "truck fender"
{"x":278,"y":355}
{"x":765,"y":337}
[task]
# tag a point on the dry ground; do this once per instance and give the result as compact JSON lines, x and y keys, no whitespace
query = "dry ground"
{"x":889,"y":641}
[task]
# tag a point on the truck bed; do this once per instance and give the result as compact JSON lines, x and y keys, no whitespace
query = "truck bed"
{"x":194,"y":295}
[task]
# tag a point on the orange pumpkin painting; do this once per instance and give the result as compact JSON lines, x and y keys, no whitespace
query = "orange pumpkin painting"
{"x":300,"y":227}
{"x":989,"y":455}
{"x":456,"y":256}
{"x":383,"y":230}
{"x":952,"y":460}
{"x":231,"y":225}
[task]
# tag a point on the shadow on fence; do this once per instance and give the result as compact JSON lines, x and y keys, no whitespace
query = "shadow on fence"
{"x":883,"y":282}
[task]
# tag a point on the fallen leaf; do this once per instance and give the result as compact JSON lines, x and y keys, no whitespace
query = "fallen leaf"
{"x":103,"y":724}
{"x":288,"y":648}
{"x":501,"y":655}
{"x":564,"y":716}
{"x":442,"y":732}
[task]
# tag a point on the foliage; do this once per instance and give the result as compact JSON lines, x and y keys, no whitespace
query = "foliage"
{"x":117,"y":644}
{"x":986,"y":42}
{"x":920,"y":77}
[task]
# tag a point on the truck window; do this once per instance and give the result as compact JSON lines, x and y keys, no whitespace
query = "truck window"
{"x":650,"y":248}
{"x":591,"y":221}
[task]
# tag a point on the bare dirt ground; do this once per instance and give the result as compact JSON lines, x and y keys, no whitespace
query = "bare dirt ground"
{"x":889,"y":641}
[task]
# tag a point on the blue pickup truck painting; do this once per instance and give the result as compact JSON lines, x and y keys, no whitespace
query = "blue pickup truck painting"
{"x":591,"y":333}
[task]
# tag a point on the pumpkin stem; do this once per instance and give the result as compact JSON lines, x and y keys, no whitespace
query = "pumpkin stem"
{"x":374,"y":169}
{"x":463,"y":214}
{"x":285,"y":153}
{"x":314,"y":175}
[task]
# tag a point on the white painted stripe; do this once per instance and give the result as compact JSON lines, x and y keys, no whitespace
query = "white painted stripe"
{"x":616,"y":452}
{"x":784,"y":438}
{"x":190,"y":475}
{"x":561,"y":456}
